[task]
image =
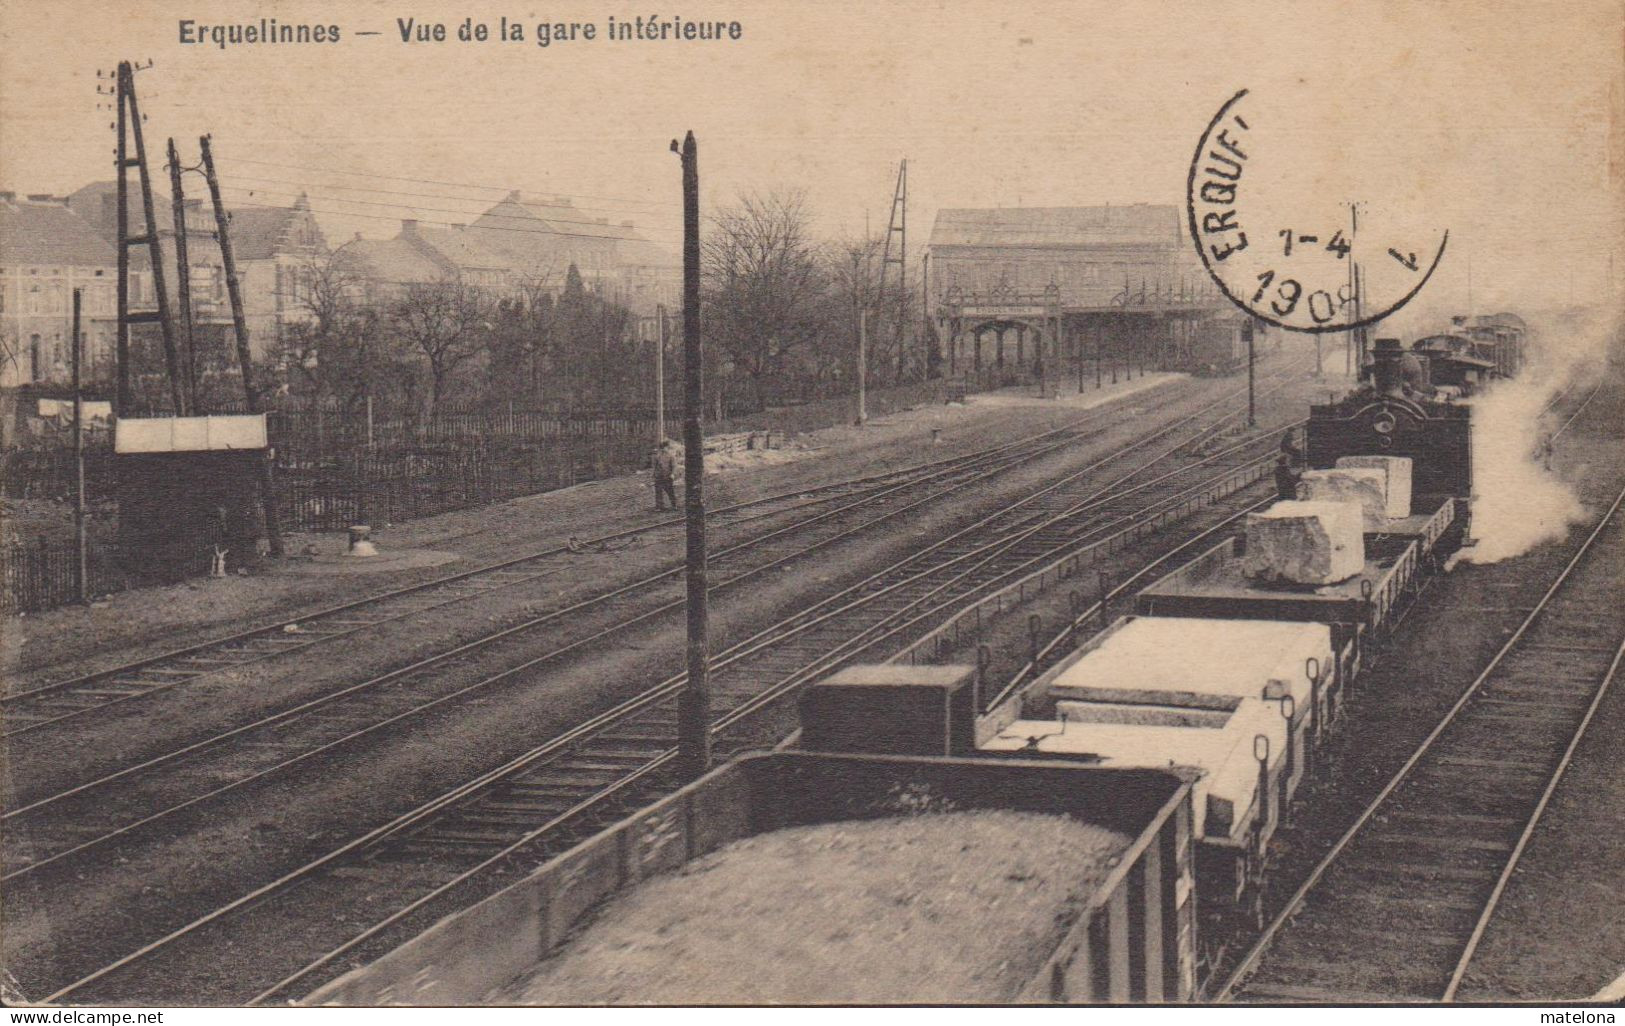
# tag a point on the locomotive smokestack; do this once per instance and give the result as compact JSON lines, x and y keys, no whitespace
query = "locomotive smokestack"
{"x":1386,"y":375}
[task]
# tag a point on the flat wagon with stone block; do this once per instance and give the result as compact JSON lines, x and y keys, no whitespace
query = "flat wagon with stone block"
{"x":1217,"y":584}
{"x":1133,"y":695}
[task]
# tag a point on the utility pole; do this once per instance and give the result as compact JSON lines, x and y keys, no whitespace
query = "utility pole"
{"x":898,"y":225}
{"x":183,"y":277}
{"x":660,"y":373}
{"x":863,"y":368}
{"x":82,"y":551}
{"x":1252,"y":409}
{"x":245,"y":362}
{"x":694,"y":703}
{"x":129,"y":125}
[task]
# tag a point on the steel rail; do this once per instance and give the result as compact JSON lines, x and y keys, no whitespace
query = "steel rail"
{"x":1250,"y":963}
{"x":421,"y":665}
{"x":1460,"y":972}
{"x":663,"y":692}
{"x":876,"y":484}
{"x":418,"y":667}
{"x":596,"y":725}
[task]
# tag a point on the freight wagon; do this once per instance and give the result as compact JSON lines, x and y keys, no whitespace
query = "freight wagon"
{"x":1125,"y":934}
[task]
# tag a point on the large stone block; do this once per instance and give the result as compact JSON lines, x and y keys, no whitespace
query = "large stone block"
{"x":1366,"y":487}
{"x":1398,"y":471}
{"x":1305,"y":543}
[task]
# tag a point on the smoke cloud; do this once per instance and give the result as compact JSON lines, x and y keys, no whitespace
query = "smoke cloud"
{"x":1519,"y":501}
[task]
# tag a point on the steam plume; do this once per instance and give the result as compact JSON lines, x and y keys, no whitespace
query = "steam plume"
{"x":1518,"y":503}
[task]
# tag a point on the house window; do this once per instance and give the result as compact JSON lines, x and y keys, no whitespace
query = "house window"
{"x":35,"y":300}
{"x":33,"y":357}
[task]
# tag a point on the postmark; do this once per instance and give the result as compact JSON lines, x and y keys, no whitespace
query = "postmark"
{"x":1301,"y":248}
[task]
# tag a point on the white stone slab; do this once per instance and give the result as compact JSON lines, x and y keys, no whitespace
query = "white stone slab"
{"x":1366,"y":486}
{"x":1398,"y":479}
{"x":1224,"y":755}
{"x":1303,"y":542}
{"x":1161,"y":658}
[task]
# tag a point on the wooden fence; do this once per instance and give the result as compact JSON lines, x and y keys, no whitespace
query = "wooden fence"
{"x":328,"y":479}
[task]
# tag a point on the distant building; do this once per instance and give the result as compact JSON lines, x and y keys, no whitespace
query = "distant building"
{"x":520,"y":244}
{"x":270,"y":244}
{"x":1065,"y":280}
{"x":47,"y":251}
{"x":543,"y":238}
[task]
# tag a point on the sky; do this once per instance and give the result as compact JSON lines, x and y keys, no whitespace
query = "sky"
{"x":1503,"y":122}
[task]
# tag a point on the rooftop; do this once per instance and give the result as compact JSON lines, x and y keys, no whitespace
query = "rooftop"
{"x":47,"y":232}
{"x":1139,"y":224}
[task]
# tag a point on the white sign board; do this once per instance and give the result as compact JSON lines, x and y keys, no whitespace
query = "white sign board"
{"x":190,"y":434}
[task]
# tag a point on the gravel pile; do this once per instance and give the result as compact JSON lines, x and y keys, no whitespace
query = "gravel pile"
{"x":957,"y":907}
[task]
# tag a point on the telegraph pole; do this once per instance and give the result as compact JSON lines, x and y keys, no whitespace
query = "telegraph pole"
{"x":694,"y":703}
{"x":82,"y":556}
{"x":183,"y":277}
{"x":863,"y":368}
{"x":245,"y":362}
{"x":660,"y":373}
{"x":129,"y":130}
{"x":1252,"y":409}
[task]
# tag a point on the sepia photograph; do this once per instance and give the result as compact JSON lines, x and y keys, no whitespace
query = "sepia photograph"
{"x":760,"y":504}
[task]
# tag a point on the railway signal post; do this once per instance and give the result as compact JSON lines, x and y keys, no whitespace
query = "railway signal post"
{"x":694,"y":704}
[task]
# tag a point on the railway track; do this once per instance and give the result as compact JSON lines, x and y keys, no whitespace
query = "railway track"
{"x":112,"y":807}
{"x":1395,"y":909}
{"x":590,"y":774}
{"x":54,"y":704}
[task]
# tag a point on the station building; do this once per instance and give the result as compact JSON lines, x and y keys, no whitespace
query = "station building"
{"x":1018,"y":286}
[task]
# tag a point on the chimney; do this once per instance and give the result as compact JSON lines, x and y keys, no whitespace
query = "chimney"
{"x":513,"y":196}
{"x":1385,"y":371}
{"x":409,"y":226}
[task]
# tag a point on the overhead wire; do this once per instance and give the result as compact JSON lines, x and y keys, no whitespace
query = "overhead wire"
{"x":437,"y":181}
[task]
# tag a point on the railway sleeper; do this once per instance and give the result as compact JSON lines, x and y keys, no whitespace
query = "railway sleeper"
{"x":619,"y":757}
{"x":567,"y":792}
{"x":1467,"y":900}
{"x":1398,"y":869}
{"x":588,"y":765}
{"x":111,"y":692}
{"x":1451,"y":842}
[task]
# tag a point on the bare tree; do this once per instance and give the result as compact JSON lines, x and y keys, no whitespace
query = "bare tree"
{"x":444,"y":323}
{"x":333,"y":347}
{"x":766,"y":282}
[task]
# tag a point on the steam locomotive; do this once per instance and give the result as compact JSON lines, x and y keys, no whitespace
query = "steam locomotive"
{"x":1401,"y":412}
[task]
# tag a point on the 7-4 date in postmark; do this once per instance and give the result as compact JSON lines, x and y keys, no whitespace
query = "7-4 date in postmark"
{"x":1284,"y":236}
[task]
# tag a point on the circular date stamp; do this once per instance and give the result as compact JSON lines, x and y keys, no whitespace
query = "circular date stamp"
{"x":1290,"y":235}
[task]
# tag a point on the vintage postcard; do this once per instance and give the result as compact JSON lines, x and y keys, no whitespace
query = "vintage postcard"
{"x":752,"y":502}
